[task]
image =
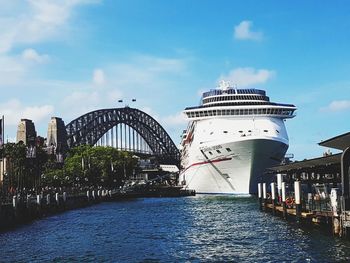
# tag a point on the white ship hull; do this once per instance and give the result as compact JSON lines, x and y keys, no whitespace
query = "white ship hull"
{"x":232,"y":162}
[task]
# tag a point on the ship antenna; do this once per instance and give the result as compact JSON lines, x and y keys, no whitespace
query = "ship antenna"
{"x":235,"y":87}
{"x":224,"y":85}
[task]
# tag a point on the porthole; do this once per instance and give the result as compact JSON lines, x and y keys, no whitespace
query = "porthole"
{"x":265,"y":130}
{"x":218,"y":151}
{"x":228,"y":149}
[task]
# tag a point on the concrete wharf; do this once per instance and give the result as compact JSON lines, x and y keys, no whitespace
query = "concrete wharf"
{"x":312,"y":191}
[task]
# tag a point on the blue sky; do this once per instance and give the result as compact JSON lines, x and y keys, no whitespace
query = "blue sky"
{"x":65,"y":58}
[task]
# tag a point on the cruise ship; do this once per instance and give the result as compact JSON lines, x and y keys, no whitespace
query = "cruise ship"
{"x":231,"y":138}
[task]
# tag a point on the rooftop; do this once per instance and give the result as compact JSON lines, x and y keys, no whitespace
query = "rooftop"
{"x":308,"y":164}
{"x":340,"y":142}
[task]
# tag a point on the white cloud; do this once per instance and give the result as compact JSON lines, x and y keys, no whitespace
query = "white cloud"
{"x":145,"y":70}
{"x":175,"y":120}
{"x":98,"y":77}
{"x":35,"y":21}
{"x":11,"y":70}
{"x":248,"y":76}
{"x":114,"y":95}
{"x":30,"y":54}
{"x":337,"y":105}
{"x":243,"y":31}
{"x":81,"y":102}
{"x":150,"y":112}
{"x":14,"y":110}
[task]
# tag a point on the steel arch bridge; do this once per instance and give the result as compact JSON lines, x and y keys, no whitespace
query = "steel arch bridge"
{"x":142,"y":133}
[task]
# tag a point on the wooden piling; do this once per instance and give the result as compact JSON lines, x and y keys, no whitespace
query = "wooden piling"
{"x":279,"y":187}
{"x":57,"y":199}
{"x":297,"y":197}
{"x":264,"y":195}
{"x":260,"y":196}
{"x":273,"y":198}
{"x":283,"y":192}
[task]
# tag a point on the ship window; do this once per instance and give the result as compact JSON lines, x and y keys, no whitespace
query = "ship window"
{"x":277,"y":131}
{"x":249,"y":131}
{"x":265,"y":130}
{"x":225,"y":131}
{"x":218,"y":151}
{"x":211,"y":133}
{"x":210,"y":153}
{"x":240,"y":131}
{"x":228,"y":149}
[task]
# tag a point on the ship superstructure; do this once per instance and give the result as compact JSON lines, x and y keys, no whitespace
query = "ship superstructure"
{"x":232,"y":137}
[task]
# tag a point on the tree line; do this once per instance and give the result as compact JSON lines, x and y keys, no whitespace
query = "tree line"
{"x":34,"y":168}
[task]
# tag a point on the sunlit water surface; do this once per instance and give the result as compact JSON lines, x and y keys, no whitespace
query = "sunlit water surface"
{"x":191,"y":229}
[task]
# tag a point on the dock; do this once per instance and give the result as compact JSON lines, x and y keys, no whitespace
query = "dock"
{"x":314,"y":191}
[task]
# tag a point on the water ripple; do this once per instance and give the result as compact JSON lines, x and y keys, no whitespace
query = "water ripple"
{"x":194,"y":229}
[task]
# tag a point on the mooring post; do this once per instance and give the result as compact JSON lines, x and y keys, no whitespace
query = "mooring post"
{"x":279,"y":187}
{"x":260,"y":196}
{"x":264,"y":195}
{"x":28,"y":201}
{"x":48,"y":199}
{"x":38,"y":200}
{"x":283,"y":184}
{"x":14,"y":201}
{"x":297,"y":193}
{"x":64,"y":197}
{"x":273,"y":198}
{"x":57,"y":199}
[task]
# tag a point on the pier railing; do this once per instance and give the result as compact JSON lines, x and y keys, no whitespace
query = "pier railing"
{"x":321,"y":207}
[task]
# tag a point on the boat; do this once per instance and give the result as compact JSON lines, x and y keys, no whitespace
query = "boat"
{"x":232,"y":137}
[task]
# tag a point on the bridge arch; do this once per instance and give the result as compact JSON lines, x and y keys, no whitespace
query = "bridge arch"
{"x":90,"y":127}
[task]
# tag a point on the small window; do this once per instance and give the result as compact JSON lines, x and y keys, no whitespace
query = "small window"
{"x":249,"y":131}
{"x":210,"y":153}
{"x":277,"y":131}
{"x":218,"y":151}
{"x":225,"y":131}
{"x":211,"y":133}
{"x":265,"y":130}
{"x":240,"y":131}
{"x":228,"y":149}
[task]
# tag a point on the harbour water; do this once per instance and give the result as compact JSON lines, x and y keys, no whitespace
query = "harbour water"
{"x":190,"y":229}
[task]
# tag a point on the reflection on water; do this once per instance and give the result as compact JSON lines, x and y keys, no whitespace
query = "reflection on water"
{"x":194,"y":229}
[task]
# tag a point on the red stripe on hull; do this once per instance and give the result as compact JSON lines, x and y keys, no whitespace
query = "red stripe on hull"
{"x":214,"y":161}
